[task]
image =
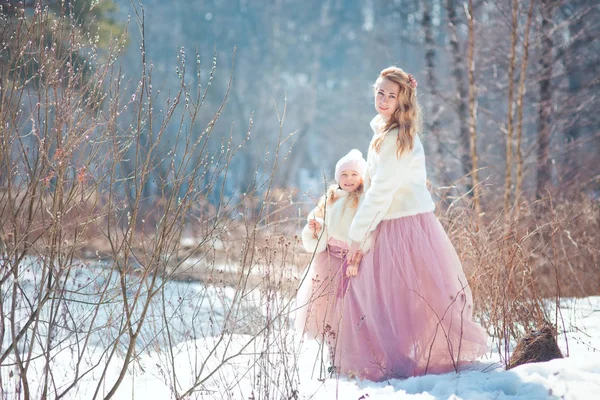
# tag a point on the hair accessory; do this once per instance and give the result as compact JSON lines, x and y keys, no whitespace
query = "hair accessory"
{"x":352,"y":161}
{"x":412,"y":81}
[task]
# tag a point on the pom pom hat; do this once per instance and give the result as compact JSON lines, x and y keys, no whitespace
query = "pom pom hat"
{"x":353,"y":161}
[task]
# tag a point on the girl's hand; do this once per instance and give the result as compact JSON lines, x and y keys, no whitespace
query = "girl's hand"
{"x":352,"y":270}
{"x":353,"y":264}
{"x":315,"y":226}
{"x":354,"y":254}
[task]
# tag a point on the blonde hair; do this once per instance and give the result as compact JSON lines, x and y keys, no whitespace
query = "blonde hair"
{"x":331,"y":197}
{"x":407,"y":117}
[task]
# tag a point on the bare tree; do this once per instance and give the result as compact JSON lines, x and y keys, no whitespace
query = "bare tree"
{"x":71,"y":197}
{"x":544,"y":163}
{"x":473,"y":113}
{"x":509,"y":126}
{"x":520,"y":95}
{"x":462,"y":95}
{"x":433,"y":122}
{"x":576,"y":56}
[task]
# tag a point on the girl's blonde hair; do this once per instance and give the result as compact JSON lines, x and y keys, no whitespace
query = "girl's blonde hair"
{"x":331,"y":197}
{"x":407,"y":117}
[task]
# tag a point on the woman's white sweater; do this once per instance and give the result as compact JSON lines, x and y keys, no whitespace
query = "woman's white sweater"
{"x":394,"y":186}
{"x":336,"y":223}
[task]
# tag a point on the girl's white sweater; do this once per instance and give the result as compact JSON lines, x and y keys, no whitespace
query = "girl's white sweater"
{"x":394,"y":186}
{"x":336,"y":223}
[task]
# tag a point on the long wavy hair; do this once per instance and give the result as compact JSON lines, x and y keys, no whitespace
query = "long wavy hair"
{"x":407,"y":117}
{"x":331,"y":197}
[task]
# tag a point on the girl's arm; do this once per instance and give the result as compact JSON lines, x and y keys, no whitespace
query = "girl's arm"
{"x":314,"y":243}
{"x":391,"y":173}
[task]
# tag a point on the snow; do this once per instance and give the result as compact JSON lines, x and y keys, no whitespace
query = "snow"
{"x":256,"y":359}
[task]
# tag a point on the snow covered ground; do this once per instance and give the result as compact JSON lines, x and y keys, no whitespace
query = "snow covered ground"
{"x":247,"y":362}
{"x":576,"y":377}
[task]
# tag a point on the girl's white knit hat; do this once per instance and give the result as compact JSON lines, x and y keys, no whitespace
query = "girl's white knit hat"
{"x":352,"y":161}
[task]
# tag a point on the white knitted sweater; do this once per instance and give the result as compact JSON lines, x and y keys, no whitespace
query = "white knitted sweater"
{"x":394,"y":186}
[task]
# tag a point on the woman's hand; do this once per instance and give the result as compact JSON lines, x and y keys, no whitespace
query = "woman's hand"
{"x":315,"y":226}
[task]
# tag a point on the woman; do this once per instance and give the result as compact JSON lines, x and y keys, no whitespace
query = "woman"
{"x":408,"y":309}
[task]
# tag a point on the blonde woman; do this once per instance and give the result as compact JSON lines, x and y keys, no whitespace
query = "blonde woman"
{"x":408,"y":308}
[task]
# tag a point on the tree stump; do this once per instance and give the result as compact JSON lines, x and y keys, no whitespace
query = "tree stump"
{"x":538,"y":346}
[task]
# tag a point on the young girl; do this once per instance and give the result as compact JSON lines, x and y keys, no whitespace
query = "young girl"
{"x":408,"y":309}
{"x":326,"y":235}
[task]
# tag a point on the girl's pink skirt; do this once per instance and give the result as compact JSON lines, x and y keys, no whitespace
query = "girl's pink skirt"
{"x":319,"y":292}
{"x":409,"y":310}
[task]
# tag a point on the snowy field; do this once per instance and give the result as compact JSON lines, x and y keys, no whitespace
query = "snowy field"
{"x":575,"y":377}
{"x":245,"y":361}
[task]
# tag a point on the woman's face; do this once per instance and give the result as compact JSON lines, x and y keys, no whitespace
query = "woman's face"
{"x":386,"y":98}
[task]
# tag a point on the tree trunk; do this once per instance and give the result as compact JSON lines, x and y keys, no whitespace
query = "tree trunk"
{"x":432,"y":83}
{"x":575,"y":70}
{"x":521,"y":94}
{"x":509,"y":117}
{"x":461,"y":101}
{"x":545,"y":105}
{"x":473,"y":114}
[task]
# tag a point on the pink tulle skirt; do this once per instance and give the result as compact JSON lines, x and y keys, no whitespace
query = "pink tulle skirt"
{"x":320,"y":291}
{"x":409,"y":311}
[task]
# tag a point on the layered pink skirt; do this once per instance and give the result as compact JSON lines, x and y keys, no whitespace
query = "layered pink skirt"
{"x":320,"y":291}
{"x":409,"y":311}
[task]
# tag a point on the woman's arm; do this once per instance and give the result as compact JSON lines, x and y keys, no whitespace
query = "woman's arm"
{"x":390,"y":174}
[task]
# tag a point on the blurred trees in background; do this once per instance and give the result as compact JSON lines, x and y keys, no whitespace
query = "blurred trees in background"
{"x":93,"y":19}
{"x":51,"y":43}
{"x":534,"y":79}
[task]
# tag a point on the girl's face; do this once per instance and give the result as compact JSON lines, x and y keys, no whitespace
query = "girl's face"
{"x":350,"y":180}
{"x":386,"y":98}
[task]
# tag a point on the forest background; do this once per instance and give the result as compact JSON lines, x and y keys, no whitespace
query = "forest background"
{"x":187,"y":140}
